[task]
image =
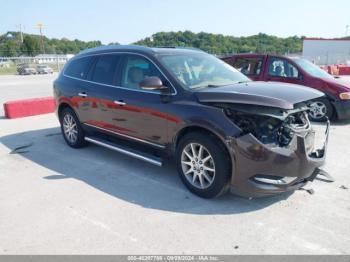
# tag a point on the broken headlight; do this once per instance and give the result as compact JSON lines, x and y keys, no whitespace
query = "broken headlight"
{"x":267,"y":129}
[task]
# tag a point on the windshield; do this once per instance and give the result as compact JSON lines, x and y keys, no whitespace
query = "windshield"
{"x":312,"y":69}
{"x":201,"y":70}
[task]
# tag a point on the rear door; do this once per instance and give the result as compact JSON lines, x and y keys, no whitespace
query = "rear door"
{"x":282,"y":70}
{"x":76,"y":90}
{"x":101,"y":86}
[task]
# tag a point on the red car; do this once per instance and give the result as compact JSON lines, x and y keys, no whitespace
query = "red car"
{"x":335,"y":104}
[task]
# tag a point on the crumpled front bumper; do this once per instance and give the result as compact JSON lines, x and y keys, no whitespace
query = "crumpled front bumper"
{"x":261,"y":170}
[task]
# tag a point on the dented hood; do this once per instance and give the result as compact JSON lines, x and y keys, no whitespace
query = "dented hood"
{"x":272,"y":94}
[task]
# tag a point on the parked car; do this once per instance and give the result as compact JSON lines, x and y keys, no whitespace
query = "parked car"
{"x":26,"y":69}
{"x":4,"y":63}
{"x":299,"y":71}
{"x":222,"y":129}
{"x":44,"y":69}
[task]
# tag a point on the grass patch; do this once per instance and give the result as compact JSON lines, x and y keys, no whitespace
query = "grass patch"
{"x":8,"y":70}
{"x":12,"y":69}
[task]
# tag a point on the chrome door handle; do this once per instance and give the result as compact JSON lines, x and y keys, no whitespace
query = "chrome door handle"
{"x":82,"y":94}
{"x":119,"y":102}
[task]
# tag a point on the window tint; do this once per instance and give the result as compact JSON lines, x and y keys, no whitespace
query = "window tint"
{"x":249,"y":66}
{"x":105,"y":69}
{"x":78,"y":67}
{"x":282,"y":68}
{"x":136,"y":69}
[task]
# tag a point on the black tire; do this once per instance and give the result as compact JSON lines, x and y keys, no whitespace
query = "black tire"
{"x":326,"y":108}
{"x":79,"y":141}
{"x":222,"y":164}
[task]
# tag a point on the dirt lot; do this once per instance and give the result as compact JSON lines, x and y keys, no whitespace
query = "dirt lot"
{"x":55,"y":199}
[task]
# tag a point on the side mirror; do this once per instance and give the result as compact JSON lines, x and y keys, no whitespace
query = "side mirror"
{"x":152,"y":83}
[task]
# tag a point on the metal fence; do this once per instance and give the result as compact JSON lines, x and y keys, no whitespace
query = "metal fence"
{"x":10,"y":64}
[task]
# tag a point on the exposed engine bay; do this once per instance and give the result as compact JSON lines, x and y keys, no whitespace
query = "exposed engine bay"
{"x":269,"y":125}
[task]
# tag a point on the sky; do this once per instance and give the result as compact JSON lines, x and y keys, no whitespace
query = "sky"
{"x":126,"y":21}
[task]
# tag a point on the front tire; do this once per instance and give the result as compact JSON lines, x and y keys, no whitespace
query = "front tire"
{"x":320,"y":110}
{"x":203,"y":165}
{"x":71,"y":129}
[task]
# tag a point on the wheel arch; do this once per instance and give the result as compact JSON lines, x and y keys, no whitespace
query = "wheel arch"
{"x":62,"y":106}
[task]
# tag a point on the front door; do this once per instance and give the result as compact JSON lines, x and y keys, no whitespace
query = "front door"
{"x":124,"y":109}
{"x":282,"y":70}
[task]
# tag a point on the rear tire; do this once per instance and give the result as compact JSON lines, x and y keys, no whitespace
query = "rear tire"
{"x":203,"y":165}
{"x":71,"y":128}
{"x":320,"y":110}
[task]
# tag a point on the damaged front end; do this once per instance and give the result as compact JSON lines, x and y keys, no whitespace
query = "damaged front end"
{"x":275,"y":151}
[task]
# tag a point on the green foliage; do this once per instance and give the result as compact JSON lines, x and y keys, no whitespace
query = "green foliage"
{"x":31,"y":45}
{"x":11,"y":45}
{"x":220,"y":44}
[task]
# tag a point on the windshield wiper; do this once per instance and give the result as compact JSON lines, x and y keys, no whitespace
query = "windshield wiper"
{"x":242,"y":82}
{"x":206,"y":86}
{"x":214,"y":85}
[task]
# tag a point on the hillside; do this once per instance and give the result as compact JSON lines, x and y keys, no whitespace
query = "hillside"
{"x":10,"y":43}
{"x":220,"y":44}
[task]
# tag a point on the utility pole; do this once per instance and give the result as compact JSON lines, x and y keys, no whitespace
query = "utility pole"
{"x":41,"y":26}
{"x":20,"y":31}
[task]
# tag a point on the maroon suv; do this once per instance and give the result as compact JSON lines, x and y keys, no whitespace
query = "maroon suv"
{"x":222,"y":129}
{"x":302,"y":72}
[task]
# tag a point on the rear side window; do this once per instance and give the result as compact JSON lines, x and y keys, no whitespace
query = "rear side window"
{"x":249,"y":66}
{"x":78,"y":67}
{"x":105,"y":69}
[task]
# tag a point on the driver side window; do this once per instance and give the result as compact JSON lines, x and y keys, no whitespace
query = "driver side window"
{"x":279,"y":67}
{"x":136,"y":69}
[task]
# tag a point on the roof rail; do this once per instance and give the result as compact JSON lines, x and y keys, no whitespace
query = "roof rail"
{"x":180,"y":47}
{"x":109,"y":47}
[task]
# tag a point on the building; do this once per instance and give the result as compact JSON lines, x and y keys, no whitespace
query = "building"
{"x":326,"y":51}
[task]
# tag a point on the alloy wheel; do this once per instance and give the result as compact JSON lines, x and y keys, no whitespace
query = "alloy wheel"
{"x":198,"y":165}
{"x":70,"y":128}
{"x":318,"y":110}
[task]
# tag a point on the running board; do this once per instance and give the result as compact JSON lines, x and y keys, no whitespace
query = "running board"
{"x":126,"y":151}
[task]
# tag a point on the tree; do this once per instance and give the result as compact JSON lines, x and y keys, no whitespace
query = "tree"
{"x":10,"y":48}
{"x":220,"y":44}
{"x":213,"y":43}
{"x":31,"y":45}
